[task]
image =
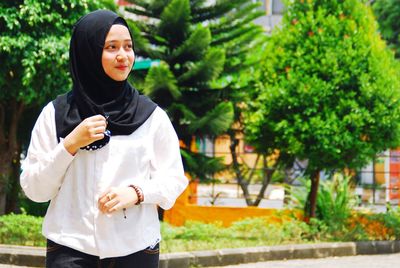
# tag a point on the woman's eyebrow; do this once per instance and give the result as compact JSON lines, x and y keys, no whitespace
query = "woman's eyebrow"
{"x":117,"y":40}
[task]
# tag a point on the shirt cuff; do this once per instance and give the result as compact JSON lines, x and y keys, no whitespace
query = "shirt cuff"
{"x":150,"y":193}
{"x":163,"y":191}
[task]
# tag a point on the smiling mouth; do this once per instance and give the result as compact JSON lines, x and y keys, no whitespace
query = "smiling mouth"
{"x":123,"y":68}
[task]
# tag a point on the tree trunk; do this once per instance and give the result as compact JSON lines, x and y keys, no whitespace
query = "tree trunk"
{"x":242,"y":181}
{"x":267,"y":176}
{"x":13,"y":185}
{"x":5,"y":171}
{"x":313,"y":194}
{"x":9,"y":154}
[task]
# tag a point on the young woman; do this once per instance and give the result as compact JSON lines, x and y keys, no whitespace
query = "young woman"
{"x":104,"y":155}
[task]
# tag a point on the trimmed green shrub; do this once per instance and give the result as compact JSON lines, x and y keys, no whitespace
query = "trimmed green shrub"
{"x":21,"y":229}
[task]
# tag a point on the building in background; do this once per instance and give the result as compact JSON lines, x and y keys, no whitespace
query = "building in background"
{"x":379,"y":181}
{"x":273,"y":13}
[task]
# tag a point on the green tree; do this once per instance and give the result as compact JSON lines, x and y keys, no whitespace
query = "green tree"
{"x":388,"y":16}
{"x":244,"y":43}
{"x":330,"y":91}
{"x":34,"y":45}
{"x":201,"y":47}
{"x":265,"y":165}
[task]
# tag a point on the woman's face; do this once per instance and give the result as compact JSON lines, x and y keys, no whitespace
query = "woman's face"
{"x":118,"y":56}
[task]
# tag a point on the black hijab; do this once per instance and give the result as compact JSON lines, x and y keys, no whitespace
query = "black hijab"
{"x":94,"y":92}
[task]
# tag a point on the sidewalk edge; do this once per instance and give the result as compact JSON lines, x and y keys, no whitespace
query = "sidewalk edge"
{"x":35,"y":257}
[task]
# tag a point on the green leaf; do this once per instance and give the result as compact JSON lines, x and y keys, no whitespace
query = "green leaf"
{"x":201,"y":73}
{"x":194,"y":47}
{"x":216,"y":121}
{"x":327,"y":76}
{"x":160,"y":78}
{"x":175,"y":21}
{"x":201,"y":166}
{"x":177,"y":32}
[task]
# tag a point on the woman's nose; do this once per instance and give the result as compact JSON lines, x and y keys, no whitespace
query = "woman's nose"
{"x":121,"y":58}
{"x":122,"y":55}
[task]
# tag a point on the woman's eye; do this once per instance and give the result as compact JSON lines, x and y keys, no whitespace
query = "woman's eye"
{"x":110,"y":47}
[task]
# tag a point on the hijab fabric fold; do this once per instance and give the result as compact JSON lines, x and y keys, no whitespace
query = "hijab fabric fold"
{"x":93,"y":91}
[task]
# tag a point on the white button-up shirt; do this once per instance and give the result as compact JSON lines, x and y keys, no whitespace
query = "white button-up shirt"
{"x":149,"y":158}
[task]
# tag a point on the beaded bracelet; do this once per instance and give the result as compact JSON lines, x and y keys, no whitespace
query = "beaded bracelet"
{"x":139,"y":194}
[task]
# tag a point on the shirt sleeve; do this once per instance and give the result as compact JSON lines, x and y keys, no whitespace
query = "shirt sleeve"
{"x":167,"y":178}
{"x":47,"y":160}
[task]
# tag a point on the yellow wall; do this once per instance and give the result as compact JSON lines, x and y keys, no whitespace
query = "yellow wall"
{"x":222,"y":149}
{"x":183,"y":211}
{"x":379,"y":170}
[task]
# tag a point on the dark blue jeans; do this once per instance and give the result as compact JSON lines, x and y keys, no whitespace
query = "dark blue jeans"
{"x":59,"y":256}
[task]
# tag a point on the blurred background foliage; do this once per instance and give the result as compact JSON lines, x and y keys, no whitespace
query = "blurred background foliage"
{"x":34,"y":52}
{"x":330,"y":90}
{"x":204,"y":50}
{"x":322,"y":87}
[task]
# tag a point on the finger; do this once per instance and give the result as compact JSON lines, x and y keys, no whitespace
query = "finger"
{"x":105,"y":197}
{"x":96,"y":137}
{"x":105,"y":207}
{"x":117,"y":207}
{"x":101,"y":204}
{"x":110,"y":196}
{"x":103,"y":200}
{"x":95,"y":124}
{"x":103,"y":194}
{"x":102,"y":208}
{"x":97,"y":130}
{"x":109,"y":191}
{"x":97,"y":117}
{"x":110,"y":205}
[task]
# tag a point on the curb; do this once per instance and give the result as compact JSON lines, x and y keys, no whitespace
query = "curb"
{"x":35,"y":257}
{"x":22,"y":255}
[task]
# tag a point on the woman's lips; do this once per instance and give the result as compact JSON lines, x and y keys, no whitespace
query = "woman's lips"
{"x":122,"y":67}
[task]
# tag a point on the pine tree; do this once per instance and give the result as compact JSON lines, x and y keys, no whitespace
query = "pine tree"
{"x":201,"y":48}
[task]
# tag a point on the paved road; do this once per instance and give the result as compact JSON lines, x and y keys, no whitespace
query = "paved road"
{"x":361,"y":261}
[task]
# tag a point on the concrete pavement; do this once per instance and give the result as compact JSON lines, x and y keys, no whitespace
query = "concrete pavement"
{"x":34,"y":257}
{"x":360,"y":261}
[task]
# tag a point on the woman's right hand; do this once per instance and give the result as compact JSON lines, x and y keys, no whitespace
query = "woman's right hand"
{"x":88,"y":131}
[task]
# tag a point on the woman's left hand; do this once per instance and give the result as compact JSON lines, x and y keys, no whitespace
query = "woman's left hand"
{"x":117,"y":198}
